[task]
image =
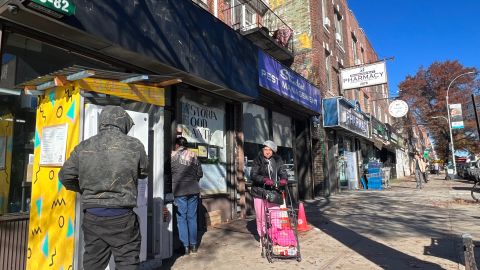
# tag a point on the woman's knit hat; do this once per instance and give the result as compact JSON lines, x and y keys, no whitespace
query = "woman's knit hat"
{"x":270,"y":145}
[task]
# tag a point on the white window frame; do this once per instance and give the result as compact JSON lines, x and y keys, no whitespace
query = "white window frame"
{"x":325,"y":15}
{"x":354,"y":49}
{"x":328,"y":71}
{"x":365,"y":103}
{"x":243,"y":18}
{"x":339,"y":28}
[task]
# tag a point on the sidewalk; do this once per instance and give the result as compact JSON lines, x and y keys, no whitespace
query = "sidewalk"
{"x":398,"y":228}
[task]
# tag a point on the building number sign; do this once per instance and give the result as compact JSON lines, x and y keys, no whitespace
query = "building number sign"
{"x":62,"y":6}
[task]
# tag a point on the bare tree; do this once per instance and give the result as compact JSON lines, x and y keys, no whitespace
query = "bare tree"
{"x":425,"y":94}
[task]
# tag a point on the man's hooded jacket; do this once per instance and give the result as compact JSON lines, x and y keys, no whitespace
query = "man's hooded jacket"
{"x":105,"y":168}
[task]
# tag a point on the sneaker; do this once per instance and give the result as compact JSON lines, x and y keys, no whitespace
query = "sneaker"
{"x":187,"y":251}
{"x":193,"y":248}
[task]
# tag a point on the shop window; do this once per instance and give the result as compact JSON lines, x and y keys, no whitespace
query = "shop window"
{"x":24,"y":59}
{"x":283,"y":138}
{"x":255,"y":123}
{"x":201,"y":120}
{"x":258,"y":128}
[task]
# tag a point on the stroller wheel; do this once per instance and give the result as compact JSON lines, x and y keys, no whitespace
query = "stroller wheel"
{"x":299,"y":258}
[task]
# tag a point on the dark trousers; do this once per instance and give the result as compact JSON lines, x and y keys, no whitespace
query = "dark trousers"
{"x":104,"y":236}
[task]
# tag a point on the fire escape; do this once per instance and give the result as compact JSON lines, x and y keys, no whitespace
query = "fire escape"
{"x":257,"y":22}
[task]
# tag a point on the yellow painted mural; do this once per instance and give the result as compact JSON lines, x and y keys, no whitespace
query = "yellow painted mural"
{"x":276,"y":3}
{"x":304,"y":41}
{"x":6,"y":133}
{"x":52,"y":212}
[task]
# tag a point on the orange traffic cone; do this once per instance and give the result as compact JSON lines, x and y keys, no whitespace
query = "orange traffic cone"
{"x":302,"y":219}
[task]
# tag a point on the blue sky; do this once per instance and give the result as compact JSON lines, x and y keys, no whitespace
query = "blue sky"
{"x":420,"y":32}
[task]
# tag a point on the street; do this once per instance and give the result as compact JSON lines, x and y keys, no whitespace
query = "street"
{"x":398,"y":228}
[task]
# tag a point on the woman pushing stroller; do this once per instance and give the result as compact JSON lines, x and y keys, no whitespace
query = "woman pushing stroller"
{"x":267,"y":167}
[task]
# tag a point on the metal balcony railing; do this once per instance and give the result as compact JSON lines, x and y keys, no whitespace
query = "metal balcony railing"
{"x":255,"y":16}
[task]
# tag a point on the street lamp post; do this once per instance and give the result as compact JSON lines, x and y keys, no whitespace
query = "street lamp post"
{"x":449,"y":121}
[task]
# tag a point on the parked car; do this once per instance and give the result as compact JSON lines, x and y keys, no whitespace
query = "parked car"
{"x":462,"y":170}
{"x":474,"y":171}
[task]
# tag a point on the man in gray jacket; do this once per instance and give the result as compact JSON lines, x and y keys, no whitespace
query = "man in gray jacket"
{"x":186,"y":172}
{"x":105,"y":169}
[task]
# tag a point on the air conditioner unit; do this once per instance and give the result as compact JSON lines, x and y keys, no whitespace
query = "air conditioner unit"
{"x":358,"y":62}
{"x":338,"y":37}
{"x":326,"y":22}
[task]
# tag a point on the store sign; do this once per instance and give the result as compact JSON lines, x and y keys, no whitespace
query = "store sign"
{"x":54,"y":8}
{"x":363,"y":76}
{"x":456,"y":117}
{"x":143,"y":93}
{"x":202,"y":124}
{"x":338,"y":112}
{"x":398,"y":108}
{"x":285,"y":82}
{"x":353,"y":121}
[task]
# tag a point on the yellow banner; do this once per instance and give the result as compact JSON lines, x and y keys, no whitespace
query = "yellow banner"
{"x":6,"y":133}
{"x":142,"y":93}
{"x":52,"y":213}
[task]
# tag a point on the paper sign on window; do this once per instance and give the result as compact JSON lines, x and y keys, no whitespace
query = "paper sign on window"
{"x":53,"y":145}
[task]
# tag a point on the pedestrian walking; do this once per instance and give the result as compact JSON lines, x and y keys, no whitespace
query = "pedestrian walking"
{"x":267,"y":168}
{"x":425,"y":172}
{"x":105,"y":170}
{"x":419,"y":169}
{"x":186,"y":173}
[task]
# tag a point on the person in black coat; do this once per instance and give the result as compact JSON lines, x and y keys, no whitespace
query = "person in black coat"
{"x":268,"y":172}
{"x":105,"y":170}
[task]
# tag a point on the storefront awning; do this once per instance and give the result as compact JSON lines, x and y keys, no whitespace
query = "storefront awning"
{"x":138,"y":87}
{"x":79,"y":72}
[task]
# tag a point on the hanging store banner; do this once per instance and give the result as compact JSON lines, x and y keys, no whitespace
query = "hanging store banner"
{"x":363,"y":76}
{"x":456,"y":117}
{"x":338,"y":112}
{"x":285,"y":82}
